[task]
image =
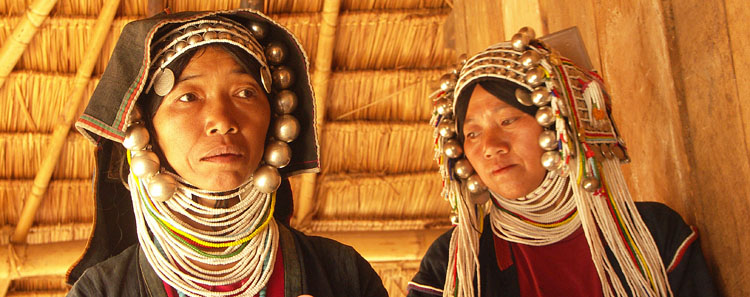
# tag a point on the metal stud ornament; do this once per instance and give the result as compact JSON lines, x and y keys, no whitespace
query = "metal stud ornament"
{"x":144,"y":164}
{"x":544,"y":116}
{"x":447,"y":128}
{"x":275,"y":53}
{"x":161,"y":187}
{"x":286,"y":128}
{"x":266,"y":179}
{"x":136,"y":137}
{"x":475,"y":184}
{"x":590,"y":184}
{"x":283,"y":77}
{"x":463,"y":168}
{"x":277,"y":154}
{"x":259,"y":30}
{"x":551,"y":160}
{"x":547,"y":140}
{"x":452,"y":149}
{"x":286,"y":102}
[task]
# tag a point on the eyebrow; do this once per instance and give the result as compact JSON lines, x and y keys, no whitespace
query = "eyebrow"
{"x":497,"y":109}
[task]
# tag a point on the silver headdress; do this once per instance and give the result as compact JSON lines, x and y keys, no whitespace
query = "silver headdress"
{"x":582,"y":155}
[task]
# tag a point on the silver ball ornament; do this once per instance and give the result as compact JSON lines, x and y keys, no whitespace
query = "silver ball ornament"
{"x":286,"y":128}
{"x":161,"y":187}
{"x":530,"y":59}
{"x":463,"y":168}
{"x":259,"y":30}
{"x":519,"y":41}
{"x":275,"y":52}
{"x":540,"y":96}
{"x":447,"y":128}
{"x":462,"y":59}
{"x":136,"y":137}
{"x":528,"y":31}
{"x":544,"y":116}
{"x":286,"y":102}
{"x":266,"y":179}
{"x":144,"y":164}
{"x":447,"y":81}
{"x":475,"y":184}
{"x":590,"y":184}
{"x":195,"y":38}
{"x":283,"y":77}
{"x":443,"y":107}
{"x":523,"y":97}
{"x":551,"y":160}
{"x":547,"y":140}
{"x":534,"y":77}
{"x":277,"y":154}
{"x":454,"y":219}
{"x":452,"y":149}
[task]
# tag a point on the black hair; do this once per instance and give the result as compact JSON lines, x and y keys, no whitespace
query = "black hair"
{"x":502,"y":89}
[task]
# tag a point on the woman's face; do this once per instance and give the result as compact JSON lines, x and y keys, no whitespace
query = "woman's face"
{"x":212,"y":125}
{"x":501,"y":143}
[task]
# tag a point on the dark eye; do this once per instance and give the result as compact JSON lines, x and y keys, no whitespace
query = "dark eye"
{"x":471,"y":135}
{"x":509,"y":121}
{"x":187,"y":97}
{"x":247,"y":93}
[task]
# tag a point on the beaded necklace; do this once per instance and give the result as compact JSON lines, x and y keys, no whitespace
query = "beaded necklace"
{"x":243,"y":237}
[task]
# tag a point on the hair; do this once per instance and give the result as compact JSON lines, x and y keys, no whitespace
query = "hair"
{"x":502,"y":89}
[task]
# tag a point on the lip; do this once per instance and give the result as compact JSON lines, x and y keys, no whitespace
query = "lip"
{"x":502,"y":169}
{"x":223,"y":154}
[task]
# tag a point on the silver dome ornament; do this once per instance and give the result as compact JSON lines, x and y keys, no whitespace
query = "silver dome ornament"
{"x":286,"y":128}
{"x":144,"y":164}
{"x":528,"y":31}
{"x":266,"y":179}
{"x":551,"y":160}
{"x":277,"y":154}
{"x":590,"y":184}
{"x":286,"y":102}
{"x":275,"y":52}
{"x":463,"y":168}
{"x":454,"y":219}
{"x":443,"y":107}
{"x":548,"y":140}
{"x":452,"y":149}
{"x":161,"y":187}
{"x":520,"y":41}
{"x":136,"y":137}
{"x":540,"y":96}
{"x":283,"y":77}
{"x":259,"y":30}
{"x":544,"y":116}
{"x":475,"y":184}
{"x":181,"y":45}
{"x":523,"y":97}
{"x":210,"y":35}
{"x":447,"y":82}
{"x":194,"y":39}
{"x":534,"y":76}
{"x":447,"y":128}
{"x":530,"y":59}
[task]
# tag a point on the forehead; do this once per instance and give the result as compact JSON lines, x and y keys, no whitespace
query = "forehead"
{"x":482,"y":100}
{"x":212,"y":58}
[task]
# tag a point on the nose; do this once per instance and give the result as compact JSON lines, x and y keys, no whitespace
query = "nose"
{"x":494,"y":144}
{"x":220,"y":117}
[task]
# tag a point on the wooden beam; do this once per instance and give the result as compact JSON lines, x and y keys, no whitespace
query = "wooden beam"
{"x":39,"y":259}
{"x":4,"y":285}
{"x":388,"y":245}
{"x":60,"y":293}
{"x":41,"y":181}
{"x":17,"y":42}
{"x":306,"y":201}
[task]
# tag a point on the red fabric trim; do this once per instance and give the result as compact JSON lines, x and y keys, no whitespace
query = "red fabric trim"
{"x":682,"y":249}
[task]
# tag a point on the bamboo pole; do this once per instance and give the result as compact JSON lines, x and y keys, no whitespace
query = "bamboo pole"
{"x":41,"y":181}
{"x":4,"y":285}
{"x":29,"y":260}
{"x":25,"y":30}
{"x":59,"y":293}
{"x":321,"y":76}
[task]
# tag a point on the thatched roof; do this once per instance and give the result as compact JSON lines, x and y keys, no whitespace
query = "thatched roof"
{"x":377,"y":175}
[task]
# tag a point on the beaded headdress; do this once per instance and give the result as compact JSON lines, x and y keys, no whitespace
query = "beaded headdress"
{"x":582,"y":154}
{"x":244,"y":237}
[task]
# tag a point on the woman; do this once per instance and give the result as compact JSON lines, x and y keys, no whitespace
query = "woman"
{"x":565,"y":226}
{"x":214,"y":111}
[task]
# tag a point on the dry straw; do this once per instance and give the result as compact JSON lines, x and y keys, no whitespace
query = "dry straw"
{"x":396,"y":275}
{"x":21,"y":154}
{"x":353,"y":147}
{"x":391,"y":4}
{"x":369,"y":197}
{"x":51,"y":233}
{"x":66,"y":201}
{"x":360,"y":225}
{"x":399,"y":40}
{"x":391,"y":95}
{"x":42,"y":96}
{"x":61,"y":43}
